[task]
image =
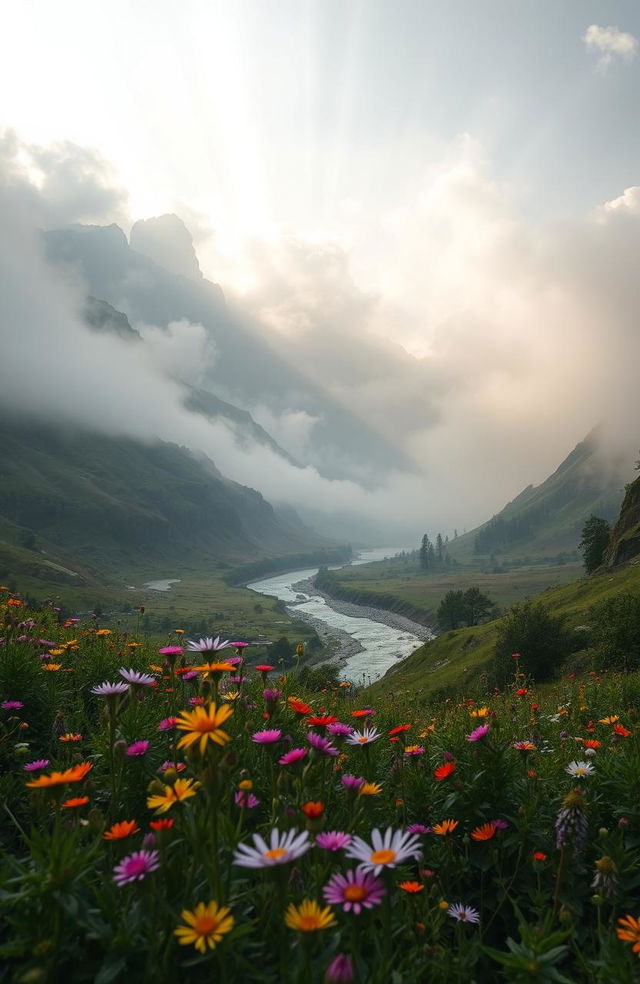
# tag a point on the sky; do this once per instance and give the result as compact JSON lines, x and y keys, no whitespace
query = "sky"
{"x":434,"y":205}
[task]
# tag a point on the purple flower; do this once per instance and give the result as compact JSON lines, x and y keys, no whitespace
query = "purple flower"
{"x":135,"y":867}
{"x":136,"y":678}
{"x":178,"y":766}
{"x":196,"y":701}
{"x":11,"y":705}
{"x":418,"y":828}
{"x":234,"y":660}
{"x":333,"y":840}
{"x":245,"y":799}
{"x":447,"y":756}
{"x":352,"y":782}
{"x":293,"y":756}
{"x":37,"y":765}
{"x":321,"y":744}
{"x":267,"y":737}
{"x":339,"y":730}
{"x":190,"y":675}
{"x":272,"y":695}
{"x":499,"y":824}
{"x":110,"y":689}
{"x":137,"y":749}
{"x":355,"y":890}
{"x":340,"y":970}
{"x":479,"y":733}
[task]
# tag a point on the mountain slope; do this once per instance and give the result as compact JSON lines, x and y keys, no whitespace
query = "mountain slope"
{"x":624,"y":546}
{"x":546,"y":520}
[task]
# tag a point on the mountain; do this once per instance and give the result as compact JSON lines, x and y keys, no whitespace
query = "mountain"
{"x":167,"y":241}
{"x":546,"y":520}
{"x":624,"y":545}
{"x":247,"y":372}
{"x":116,"y":503}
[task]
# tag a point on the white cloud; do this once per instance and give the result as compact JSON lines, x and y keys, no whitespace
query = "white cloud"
{"x":626,"y":204}
{"x":609,"y":43}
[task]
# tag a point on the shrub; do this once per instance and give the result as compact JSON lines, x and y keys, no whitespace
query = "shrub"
{"x":616,"y":632}
{"x":543,"y":640}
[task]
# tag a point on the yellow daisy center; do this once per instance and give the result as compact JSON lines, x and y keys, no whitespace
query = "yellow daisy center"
{"x":308,"y":923}
{"x":383,"y":857}
{"x":205,"y":925}
{"x":276,"y":852}
{"x":354,"y":893}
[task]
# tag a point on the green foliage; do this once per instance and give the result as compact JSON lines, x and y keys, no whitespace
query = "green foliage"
{"x":616,"y":632}
{"x":458,"y":607}
{"x":596,"y":534}
{"x":542,"y":639}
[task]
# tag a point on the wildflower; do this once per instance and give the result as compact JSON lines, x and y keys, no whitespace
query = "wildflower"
{"x":170,"y":651}
{"x":214,"y":669}
{"x":164,"y":823}
{"x":463,"y":913}
{"x":411,"y":751}
{"x":138,"y":748}
{"x":579,"y":770}
{"x":293,"y":756}
{"x":571,"y":822}
{"x":591,"y":743}
{"x":321,"y":720}
{"x":351,"y":782}
{"x":135,"y":678}
{"x":443,"y":771}
{"x":122,"y":829}
{"x":321,"y":745}
{"x":611,"y":719}
{"x":522,"y":692}
{"x":203,"y":726}
{"x":267,"y":737}
{"x":11,"y":705}
{"x":629,"y":931}
{"x":444,"y":828}
{"x":619,"y":729}
{"x":282,"y":849}
{"x":167,"y":724}
{"x":246,"y":800}
{"x":366,"y":712}
{"x":399,"y":730}
{"x":36,"y":766}
{"x":181,"y":790}
{"x":135,"y":867}
{"x":110,"y":689}
{"x":176,"y":766}
{"x":484,"y":832}
{"x":384,"y":851}
{"x":207,"y":645}
{"x":333,"y":840}
{"x":52,"y":667}
{"x":76,"y":801}
{"x":418,"y":828}
{"x":207,"y":924}
{"x":478,"y":733}
{"x":539,"y":856}
{"x":103,"y":632}
{"x":355,"y":890}
{"x":480,"y":712}
{"x":70,"y":737}
{"x":298,"y":706}
{"x":339,"y":730}
{"x":308,"y":917}
{"x":364,"y":737}
{"x":340,"y":970}
{"x":524,"y":746}
{"x":75,"y":774}
{"x":605,"y":881}
{"x":265,"y":668}
{"x":370,"y":789}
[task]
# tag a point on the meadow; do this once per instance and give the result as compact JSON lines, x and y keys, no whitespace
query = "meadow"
{"x":174,"y":808}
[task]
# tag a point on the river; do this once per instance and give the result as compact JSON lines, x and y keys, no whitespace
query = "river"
{"x":370,"y":640}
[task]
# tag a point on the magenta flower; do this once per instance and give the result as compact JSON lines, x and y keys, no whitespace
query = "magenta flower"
{"x":267,"y":737}
{"x":11,"y":705}
{"x":137,"y":749}
{"x":293,"y":756}
{"x":197,"y":701}
{"x":355,"y":890}
{"x":478,"y":733}
{"x":321,"y":744}
{"x":418,"y":828}
{"x":499,"y":824}
{"x":340,"y":970}
{"x":333,"y":840}
{"x":234,"y":660}
{"x":352,"y":782}
{"x":36,"y":766}
{"x":272,"y":695}
{"x":245,"y":799}
{"x":413,"y":750}
{"x":190,"y":675}
{"x":170,"y":651}
{"x":178,"y":766}
{"x":167,"y":724}
{"x":239,"y":645}
{"x":339,"y":730}
{"x":135,"y":867}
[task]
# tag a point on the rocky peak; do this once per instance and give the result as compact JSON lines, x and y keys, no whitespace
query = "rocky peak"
{"x":166,"y":240}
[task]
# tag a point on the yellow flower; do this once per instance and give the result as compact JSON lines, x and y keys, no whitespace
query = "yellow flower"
{"x":203,"y":724}
{"x":181,"y":790}
{"x":370,"y":789}
{"x":480,"y":712}
{"x":308,"y":916}
{"x":207,"y":924}
{"x":611,"y":719}
{"x":103,"y":632}
{"x":446,"y":827}
{"x":51,"y":667}
{"x":215,"y":669}
{"x":56,"y":652}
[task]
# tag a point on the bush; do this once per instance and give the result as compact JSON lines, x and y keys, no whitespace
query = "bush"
{"x":616,"y":632}
{"x":543,"y":640}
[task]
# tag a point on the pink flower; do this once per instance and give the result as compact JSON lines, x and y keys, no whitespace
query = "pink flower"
{"x":352,"y":782}
{"x":333,"y":840}
{"x":37,"y":765}
{"x":135,"y":867}
{"x":339,"y":730}
{"x":293,"y":756}
{"x":246,"y":799}
{"x":170,"y":651}
{"x":137,"y":749}
{"x":167,"y":724}
{"x":418,"y":828}
{"x":267,"y":737}
{"x":355,"y":890}
{"x":340,"y":970}
{"x":196,"y":701}
{"x":321,"y":745}
{"x":11,"y":705}
{"x":478,"y":733}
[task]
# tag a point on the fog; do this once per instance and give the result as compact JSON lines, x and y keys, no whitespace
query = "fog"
{"x":483,"y":343}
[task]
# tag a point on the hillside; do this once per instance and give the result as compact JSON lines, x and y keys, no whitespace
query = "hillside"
{"x":545,"y":521}
{"x":624,"y":546}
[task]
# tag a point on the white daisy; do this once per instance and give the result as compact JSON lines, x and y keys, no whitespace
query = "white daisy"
{"x":364,"y":737}
{"x":463,"y":913}
{"x":207,"y":645}
{"x":580,"y":770}
{"x":282,"y":848}
{"x":386,"y":851}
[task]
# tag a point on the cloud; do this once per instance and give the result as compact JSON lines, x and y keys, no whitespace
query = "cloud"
{"x":628,"y":203}
{"x":609,"y":43}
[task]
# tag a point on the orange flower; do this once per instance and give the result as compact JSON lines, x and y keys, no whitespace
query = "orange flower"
{"x":619,"y":729}
{"x":123,"y":829}
{"x":165,"y":823}
{"x":70,"y":737}
{"x":312,"y":810}
{"x":591,"y":743}
{"x":103,"y":632}
{"x":214,"y":669}
{"x":522,"y":692}
{"x":611,"y":719}
{"x":446,"y":827}
{"x":299,"y":706}
{"x":75,"y":774}
{"x":51,"y":667}
{"x":484,"y":832}
{"x":443,"y":771}
{"x":399,"y":729}
{"x":77,"y":801}
{"x":412,"y":887}
{"x":363,"y":713}
{"x":629,"y":931}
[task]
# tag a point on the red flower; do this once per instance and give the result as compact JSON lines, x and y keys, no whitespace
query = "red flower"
{"x":522,"y":692}
{"x":165,"y":823}
{"x":621,"y":730}
{"x":444,"y":770}
{"x":312,"y":810}
{"x":398,"y":730}
{"x":321,"y":722}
